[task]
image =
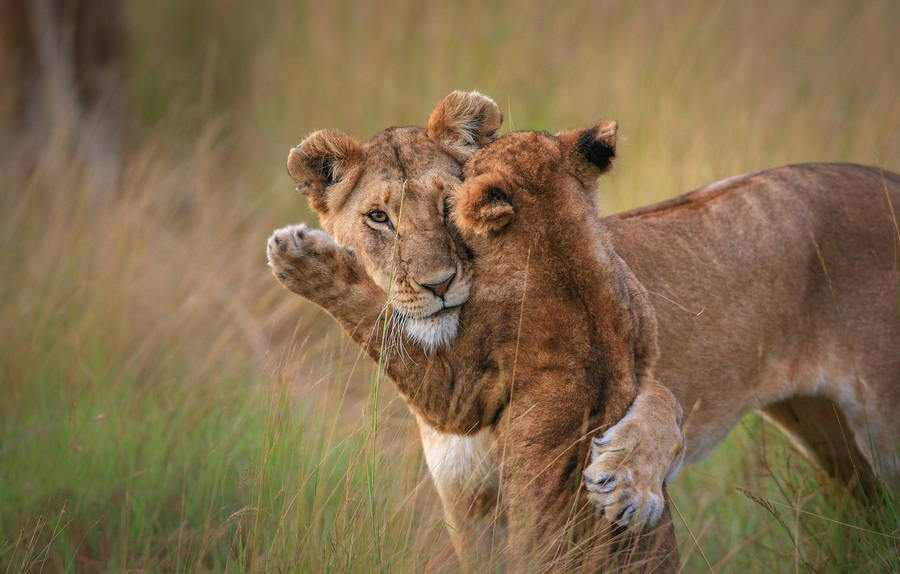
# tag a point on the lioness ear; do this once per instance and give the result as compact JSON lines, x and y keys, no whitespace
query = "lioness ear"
{"x":463,"y":122}
{"x":482,"y":205}
{"x":323,"y":159}
{"x":595,"y":145}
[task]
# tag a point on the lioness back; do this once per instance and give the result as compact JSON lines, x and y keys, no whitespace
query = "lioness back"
{"x":775,"y":285}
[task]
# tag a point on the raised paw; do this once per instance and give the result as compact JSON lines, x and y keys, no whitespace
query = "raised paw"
{"x":304,"y":260}
{"x":624,"y":485}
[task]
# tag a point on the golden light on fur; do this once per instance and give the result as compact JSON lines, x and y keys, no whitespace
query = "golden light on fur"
{"x":464,"y":122}
{"x":321,"y":160}
{"x":513,"y":184}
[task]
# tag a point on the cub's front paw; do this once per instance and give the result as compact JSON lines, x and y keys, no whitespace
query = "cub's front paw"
{"x":306,"y":261}
{"x":625,"y":485}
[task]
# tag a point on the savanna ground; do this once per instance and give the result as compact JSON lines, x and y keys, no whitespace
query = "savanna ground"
{"x":166,"y":406}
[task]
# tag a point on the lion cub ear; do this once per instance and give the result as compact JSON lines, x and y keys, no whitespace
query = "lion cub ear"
{"x":595,"y":145}
{"x":463,"y":122}
{"x":482,"y":205}
{"x":322,"y":160}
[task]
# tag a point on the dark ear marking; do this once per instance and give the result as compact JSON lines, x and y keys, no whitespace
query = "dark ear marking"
{"x":598,"y":145}
{"x":593,"y":147}
{"x":326,"y":170}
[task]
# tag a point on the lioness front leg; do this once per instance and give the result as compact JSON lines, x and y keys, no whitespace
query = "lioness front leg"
{"x":310,"y":263}
{"x":464,"y":472}
{"x":635,"y":458}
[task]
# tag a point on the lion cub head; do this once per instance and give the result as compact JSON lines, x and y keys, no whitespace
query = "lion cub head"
{"x":385,"y":199}
{"x":529,"y":186}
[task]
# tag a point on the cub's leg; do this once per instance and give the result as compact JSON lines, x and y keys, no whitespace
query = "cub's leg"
{"x":550,"y":522}
{"x":539,"y":473}
{"x":464,"y":472}
{"x":634,"y":459}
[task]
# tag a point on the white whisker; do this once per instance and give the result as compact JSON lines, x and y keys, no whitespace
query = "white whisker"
{"x":375,"y":325}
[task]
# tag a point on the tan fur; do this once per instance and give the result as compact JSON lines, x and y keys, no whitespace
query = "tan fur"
{"x":323,"y":158}
{"x":467,"y":388}
{"x":795,"y":271}
{"x":464,"y":122}
{"x":526,"y":210}
{"x":399,"y":168}
{"x":399,"y":171}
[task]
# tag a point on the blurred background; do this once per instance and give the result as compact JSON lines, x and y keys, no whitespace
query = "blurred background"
{"x":166,"y":406}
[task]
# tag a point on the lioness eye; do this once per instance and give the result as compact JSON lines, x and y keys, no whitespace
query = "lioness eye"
{"x":378,"y":216}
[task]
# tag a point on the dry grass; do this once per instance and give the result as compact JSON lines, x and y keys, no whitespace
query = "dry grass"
{"x":166,"y":406}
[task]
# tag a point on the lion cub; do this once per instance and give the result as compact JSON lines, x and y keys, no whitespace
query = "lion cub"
{"x":575,"y":330}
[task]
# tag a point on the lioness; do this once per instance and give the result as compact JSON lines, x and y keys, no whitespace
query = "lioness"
{"x":722,"y":250}
{"x":780,"y":293}
{"x":526,"y":199}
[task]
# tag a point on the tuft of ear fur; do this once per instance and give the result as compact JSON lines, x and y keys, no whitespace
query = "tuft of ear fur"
{"x":321,"y":160}
{"x":482,"y":205}
{"x":595,"y":144}
{"x":463,"y":122}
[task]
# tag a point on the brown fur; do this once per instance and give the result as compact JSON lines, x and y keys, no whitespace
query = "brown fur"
{"x":465,"y":390}
{"x":696,"y":250}
{"x":463,"y":124}
{"x":526,"y":210}
{"x":796,"y":272}
{"x":396,"y":165}
{"x":398,"y":169}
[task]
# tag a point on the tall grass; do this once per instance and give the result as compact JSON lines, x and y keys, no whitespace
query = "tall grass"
{"x":167,"y":407}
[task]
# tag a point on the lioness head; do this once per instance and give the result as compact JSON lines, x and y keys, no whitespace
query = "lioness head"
{"x":385,"y":199}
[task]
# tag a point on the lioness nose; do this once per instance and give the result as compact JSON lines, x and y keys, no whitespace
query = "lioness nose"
{"x":440,"y":286}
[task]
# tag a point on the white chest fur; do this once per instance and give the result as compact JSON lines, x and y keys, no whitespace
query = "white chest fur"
{"x":459,"y":461}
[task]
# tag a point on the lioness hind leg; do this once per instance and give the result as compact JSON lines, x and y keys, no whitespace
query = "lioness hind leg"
{"x":820,"y":429}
